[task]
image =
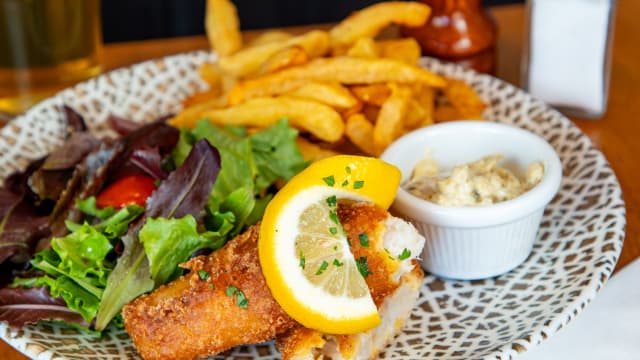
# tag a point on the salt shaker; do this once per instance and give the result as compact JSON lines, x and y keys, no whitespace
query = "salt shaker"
{"x":568,"y":54}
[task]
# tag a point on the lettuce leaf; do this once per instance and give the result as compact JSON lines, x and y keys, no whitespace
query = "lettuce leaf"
{"x":76,"y":269}
{"x":20,"y":306}
{"x":169,"y":242}
{"x":185,"y":192}
{"x":276,"y":154}
{"x":250,"y":165}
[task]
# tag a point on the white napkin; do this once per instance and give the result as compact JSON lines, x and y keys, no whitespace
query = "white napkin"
{"x":608,"y":328}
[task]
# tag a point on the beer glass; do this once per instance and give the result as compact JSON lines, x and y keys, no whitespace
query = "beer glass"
{"x":46,"y":45}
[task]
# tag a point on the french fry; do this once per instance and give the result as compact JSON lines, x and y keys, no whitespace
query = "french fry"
{"x":425,"y":96}
{"x":291,"y":56}
{"x":375,"y":94}
{"x":318,"y":119}
{"x":223,"y":27}
{"x":389,"y":125}
{"x":416,"y":115}
{"x":346,"y":70}
{"x":332,"y":94}
{"x":248,"y":60}
{"x":359,"y":105}
{"x":364,"y":48}
{"x":371,"y":112}
{"x":462,"y":96}
{"x":200,"y":97}
{"x":406,"y":50}
{"x":270,"y":37}
{"x":360,"y":132}
{"x":211,"y":74}
{"x":369,"y":21}
{"x":311,"y":151}
{"x":189,"y":116}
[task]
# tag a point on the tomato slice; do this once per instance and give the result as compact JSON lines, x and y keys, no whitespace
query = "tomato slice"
{"x":129,"y":190}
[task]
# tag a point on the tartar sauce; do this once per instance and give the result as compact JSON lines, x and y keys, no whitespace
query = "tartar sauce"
{"x":481,"y":182}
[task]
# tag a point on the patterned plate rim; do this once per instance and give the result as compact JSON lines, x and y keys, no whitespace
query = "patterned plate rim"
{"x":605,"y":264}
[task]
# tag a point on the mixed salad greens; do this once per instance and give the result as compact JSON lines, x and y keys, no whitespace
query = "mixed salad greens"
{"x":99,"y":222}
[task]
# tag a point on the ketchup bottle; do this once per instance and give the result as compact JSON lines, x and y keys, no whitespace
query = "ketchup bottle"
{"x":461,"y":31}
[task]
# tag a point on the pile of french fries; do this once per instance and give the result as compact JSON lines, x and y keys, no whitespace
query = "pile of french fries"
{"x":339,"y":86}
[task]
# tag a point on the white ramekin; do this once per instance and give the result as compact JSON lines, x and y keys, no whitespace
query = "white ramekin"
{"x":475,"y":242}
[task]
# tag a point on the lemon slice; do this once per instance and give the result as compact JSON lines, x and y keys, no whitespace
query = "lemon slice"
{"x":304,"y":252}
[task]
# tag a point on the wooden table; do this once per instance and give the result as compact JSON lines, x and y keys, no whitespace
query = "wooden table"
{"x":617,"y":134}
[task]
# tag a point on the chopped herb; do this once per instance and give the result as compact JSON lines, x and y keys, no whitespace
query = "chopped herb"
{"x":345,"y":183}
{"x":211,"y":285}
{"x":333,"y":230}
{"x":348,"y":242}
{"x":231,"y":290}
{"x":405,"y":254}
{"x":332,"y":201}
{"x":335,"y":247}
{"x":322,"y":267}
{"x":329,"y":180}
{"x":348,"y":170}
{"x":203,"y":275}
{"x":364,"y":239}
{"x":302,"y":260}
{"x":336,"y":262}
{"x":241,"y":300}
{"x":389,"y":254}
{"x":358,"y":184}
{"x":363,"y":266}
{"x":476,"y":194}
{"x":333,"y":215}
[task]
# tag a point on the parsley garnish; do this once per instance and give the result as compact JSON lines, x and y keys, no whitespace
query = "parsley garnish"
{"x":231,"y":290}
{"x":333,"y":230}
{"x":333,"y":215}
{"x":363,"y":266}
{"x":241,"y":300}
{"x":302,"y":260}
{"x":332,"y":201}
{"x":322,"y":267}
{"x":405,"y":254}
{"x":203,"y":275}
{"x":364,"y":239}
{"x":358,"y":184}
{"x":329,"y":180}
{"x":348,"y":170}
{"x":345,"y":183}
{"x":211,"y":285}
{"x":336,"y":262}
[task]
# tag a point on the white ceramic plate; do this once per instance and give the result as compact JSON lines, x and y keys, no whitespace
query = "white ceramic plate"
{"x":575,"y":252}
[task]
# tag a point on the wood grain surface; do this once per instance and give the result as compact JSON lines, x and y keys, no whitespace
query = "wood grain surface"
{"x":617,"y":134}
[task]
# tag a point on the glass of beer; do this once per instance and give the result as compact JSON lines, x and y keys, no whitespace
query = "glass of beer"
{"x":46,"y":45}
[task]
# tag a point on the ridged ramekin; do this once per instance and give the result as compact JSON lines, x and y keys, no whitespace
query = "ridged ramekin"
{"x":475,"y":242}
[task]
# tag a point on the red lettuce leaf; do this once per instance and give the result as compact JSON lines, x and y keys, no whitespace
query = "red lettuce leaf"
{"x":149,"y":161}
{"x":186,"y":190}
{"x":21,"y":226}
{"x":124,"y":126}
{"x":75,"y":121}
{"x":21,"y":306}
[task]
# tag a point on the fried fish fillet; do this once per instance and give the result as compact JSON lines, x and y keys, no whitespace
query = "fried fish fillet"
{"x":202,"y":313}
{"x":195,"y":316}
{"x":394,"y":284}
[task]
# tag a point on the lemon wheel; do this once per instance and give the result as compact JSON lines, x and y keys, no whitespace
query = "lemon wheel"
{"x":304,"y":252}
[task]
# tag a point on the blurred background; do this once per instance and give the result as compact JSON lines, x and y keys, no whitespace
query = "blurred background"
{"x":121,"y":19}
